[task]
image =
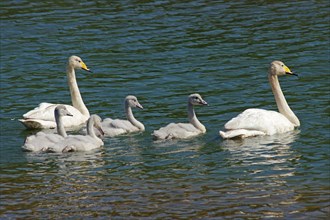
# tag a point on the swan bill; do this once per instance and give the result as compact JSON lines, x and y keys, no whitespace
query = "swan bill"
{"x":288,"y":71}
{"x":84,"y":67}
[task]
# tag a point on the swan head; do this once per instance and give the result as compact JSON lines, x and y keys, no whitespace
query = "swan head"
{"x":278,"y":68}
{"x":196,"y":99}
{"x":60,"y":110}
{"x":96,"y":121}
{"x":77,"y":63}
{"x":132,"y":102}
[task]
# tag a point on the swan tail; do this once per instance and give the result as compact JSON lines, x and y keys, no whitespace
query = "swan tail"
{"x":37,"y":110}
{"x":155,"y":135}
{"x":158,"y":135}
{"x":37,"y":124}
{"x":240,"y":133}
{"x":69,"y":149}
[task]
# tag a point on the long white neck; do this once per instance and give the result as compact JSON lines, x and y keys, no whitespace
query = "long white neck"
{"x":76,"y":98}
{"x":281,"y":102}
{"x":60,"y":126}
{"x":193,"y":118}
{"x":130,"y":117}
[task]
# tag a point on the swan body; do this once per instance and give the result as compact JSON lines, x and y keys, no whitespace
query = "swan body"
{"x":254,"y":122}
{"x":42,"y":141}
{"x":114,"y":127}
{"x":87,"y":142}
{"x":42,"y":117}
{"x":184,"y":130}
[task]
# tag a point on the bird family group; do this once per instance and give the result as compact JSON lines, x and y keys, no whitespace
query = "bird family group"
{"x":251,"y":122}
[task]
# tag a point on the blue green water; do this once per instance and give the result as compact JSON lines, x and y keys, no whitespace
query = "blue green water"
{"x":162,"y":51}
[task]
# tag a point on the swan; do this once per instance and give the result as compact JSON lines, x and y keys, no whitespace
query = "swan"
{"x":114,"y":127}
{"x":87,"y":142}
{"x":42,"y":141}
{"x":42,"y":117}
{"x":254,"y":122}
{"x":184,"y":130}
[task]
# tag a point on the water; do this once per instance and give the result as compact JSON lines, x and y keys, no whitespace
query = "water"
{"x":162,"y":51}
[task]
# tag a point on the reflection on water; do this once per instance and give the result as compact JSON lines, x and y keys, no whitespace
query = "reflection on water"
{"x":161,"y":51}
{"x":269,"y":173}
{"x":241,"y":178}
{"x":263,"y":150}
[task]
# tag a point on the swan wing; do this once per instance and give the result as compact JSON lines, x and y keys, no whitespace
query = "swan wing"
{"x":124,"y":124}
{"x":176,"y":130}
{"x":45,"y":111}
{"x":41,"y":141}
{"x":117,"y":127}
{"x":268,"y":122}
{"x":77,"y":143}
{"x":38,"y":124}
{"x":43,"y":117}
{"x":242,"y":133}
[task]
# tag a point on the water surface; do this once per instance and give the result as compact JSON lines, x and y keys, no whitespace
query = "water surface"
{"x":162,"y":51}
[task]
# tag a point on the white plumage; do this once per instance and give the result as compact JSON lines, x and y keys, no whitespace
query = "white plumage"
{"x":42,"y":116}
{"x":254,"y":122}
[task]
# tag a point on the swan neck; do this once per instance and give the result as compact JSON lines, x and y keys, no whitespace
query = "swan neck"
{"x":90,"y":128}
{"x":193,"y":118}
{"x":76,"y":98}
{"x":281,"y":102}
{"x":130,"y":117}
{"x":59,"y":125}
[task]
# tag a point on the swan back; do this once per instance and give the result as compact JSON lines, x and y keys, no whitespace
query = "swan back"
{"x":265,"y":121}
{"x":176,"y":131}
{"x":41,"y":141}
{"x":42,"y":117}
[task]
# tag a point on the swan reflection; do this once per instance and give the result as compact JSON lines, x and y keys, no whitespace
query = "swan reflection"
{"x":264,"y":155}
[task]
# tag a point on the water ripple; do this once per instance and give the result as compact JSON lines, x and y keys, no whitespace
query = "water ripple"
{"x":161,"y":51}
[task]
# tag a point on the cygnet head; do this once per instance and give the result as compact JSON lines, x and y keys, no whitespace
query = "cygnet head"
{"x":77,"y":63}
{"x":60,"y":110}
{"x":279,"y":68}
{"x":196,"y":99}
{"x":132,"y":102}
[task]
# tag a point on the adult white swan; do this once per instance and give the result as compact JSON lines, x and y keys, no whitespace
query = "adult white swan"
{"x":43,"y":116}
{"x":253,"y":122}
{"x":42,"y":141}
{"x":87,"y":142}
{"x":184,"y":130}
{"x":114,"y":127}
